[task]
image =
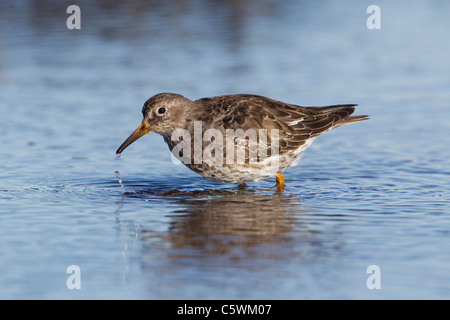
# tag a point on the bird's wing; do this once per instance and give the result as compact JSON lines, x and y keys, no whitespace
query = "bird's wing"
{"x":295,"y":124}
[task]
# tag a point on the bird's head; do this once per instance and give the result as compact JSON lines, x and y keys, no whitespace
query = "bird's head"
{"x":163,"y":113}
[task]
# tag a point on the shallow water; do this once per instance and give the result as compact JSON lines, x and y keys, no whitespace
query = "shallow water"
{"x":372,"y":193}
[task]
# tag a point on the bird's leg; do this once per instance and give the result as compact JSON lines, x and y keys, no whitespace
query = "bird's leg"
{"x":280,"y":182}
{"x":242,"y":186}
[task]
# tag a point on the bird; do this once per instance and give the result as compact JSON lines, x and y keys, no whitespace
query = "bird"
{"x":238,"y":138}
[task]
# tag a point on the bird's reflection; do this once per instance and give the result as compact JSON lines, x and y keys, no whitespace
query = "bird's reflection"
{"x":233,"y":222}
{"x":242,"y":219}
{"x":203,"y":233}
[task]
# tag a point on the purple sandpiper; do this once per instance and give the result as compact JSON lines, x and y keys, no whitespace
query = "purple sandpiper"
{"x":266,"y":136}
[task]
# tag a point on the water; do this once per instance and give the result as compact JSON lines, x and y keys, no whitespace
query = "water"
{"x":371,"y":193}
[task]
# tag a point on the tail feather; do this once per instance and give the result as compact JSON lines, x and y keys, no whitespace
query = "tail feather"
{"x":352,"y":120}
{"x":343,"y":111}
{"x":336,"y":108}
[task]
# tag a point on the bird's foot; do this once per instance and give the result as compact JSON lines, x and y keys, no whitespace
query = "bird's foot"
{"x":280,"y":182}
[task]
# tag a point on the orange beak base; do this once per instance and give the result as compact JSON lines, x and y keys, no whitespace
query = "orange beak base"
{"x":142,"y":130}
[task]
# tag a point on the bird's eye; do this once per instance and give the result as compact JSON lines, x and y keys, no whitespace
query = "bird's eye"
{"x":161,"y":110}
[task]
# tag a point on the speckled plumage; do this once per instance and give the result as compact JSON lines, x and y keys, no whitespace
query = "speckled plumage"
{"x":296,"y":126}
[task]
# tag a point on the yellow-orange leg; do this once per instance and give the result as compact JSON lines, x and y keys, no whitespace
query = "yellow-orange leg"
{"x":280,"y":182}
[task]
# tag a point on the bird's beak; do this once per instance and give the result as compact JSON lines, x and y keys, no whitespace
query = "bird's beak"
{"x":139,"y":132}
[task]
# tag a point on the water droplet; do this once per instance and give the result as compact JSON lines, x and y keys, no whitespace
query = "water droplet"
{"x":120,"y":181}
{"x":118,"y":156}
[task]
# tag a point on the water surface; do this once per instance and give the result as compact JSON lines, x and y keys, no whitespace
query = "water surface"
{"x":372,"y":193}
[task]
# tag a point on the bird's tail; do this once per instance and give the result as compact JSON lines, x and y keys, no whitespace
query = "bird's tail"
{"x":352,"y":120}
{"x":343,"y":111}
